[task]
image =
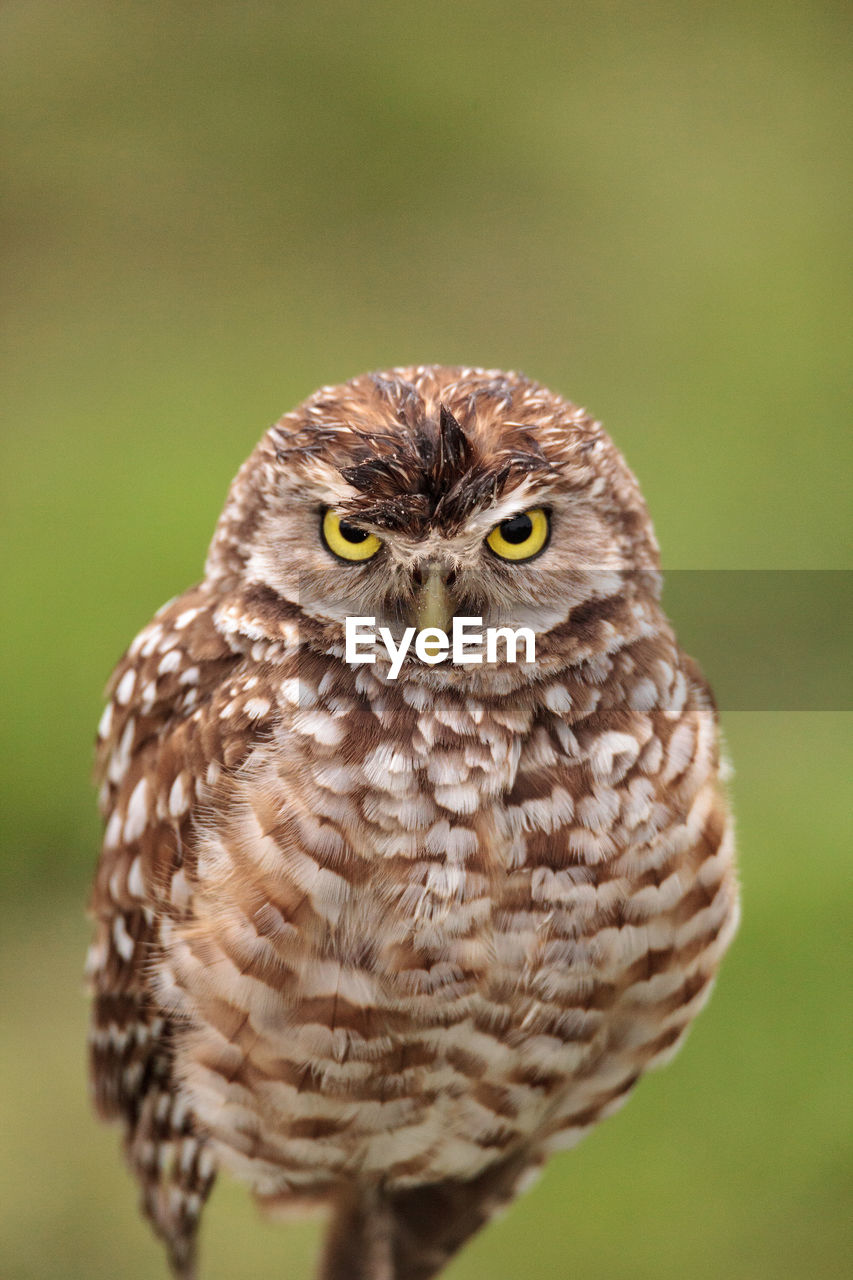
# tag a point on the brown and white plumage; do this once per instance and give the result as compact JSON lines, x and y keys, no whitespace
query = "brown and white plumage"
{"x":388,"y":944}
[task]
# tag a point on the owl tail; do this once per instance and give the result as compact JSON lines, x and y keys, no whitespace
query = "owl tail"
{"x":376,"y":1234}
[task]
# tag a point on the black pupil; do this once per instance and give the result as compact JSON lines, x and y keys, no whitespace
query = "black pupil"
{"x":352,"y":534}
{"x":517,"y":529}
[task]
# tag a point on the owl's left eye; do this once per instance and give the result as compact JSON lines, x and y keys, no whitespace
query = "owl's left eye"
{"x":346,"y":541}
{"x":521,"y":537}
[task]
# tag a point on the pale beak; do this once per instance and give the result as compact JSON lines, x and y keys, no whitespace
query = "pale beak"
{"x":434,"y":604}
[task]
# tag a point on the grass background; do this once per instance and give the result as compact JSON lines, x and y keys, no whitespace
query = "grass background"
{"x":209,"y":210}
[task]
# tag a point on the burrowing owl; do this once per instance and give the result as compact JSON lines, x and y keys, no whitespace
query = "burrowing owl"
{"x":387,"y":943}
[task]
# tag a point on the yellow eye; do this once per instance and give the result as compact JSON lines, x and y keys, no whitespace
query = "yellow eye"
{"x":345,"y":541}
{"x":520,"y":537}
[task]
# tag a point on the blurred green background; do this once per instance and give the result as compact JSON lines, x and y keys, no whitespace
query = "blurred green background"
{"x":211,"y":209}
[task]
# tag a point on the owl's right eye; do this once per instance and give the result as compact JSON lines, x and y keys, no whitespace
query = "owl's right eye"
{"x":346,"y":541}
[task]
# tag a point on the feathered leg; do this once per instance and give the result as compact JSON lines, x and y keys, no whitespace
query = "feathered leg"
{"x":413,"y":1234}
{"x":360,"y":1241}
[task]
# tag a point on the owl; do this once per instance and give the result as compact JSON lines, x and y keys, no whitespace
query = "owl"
{"x":381,"y":942}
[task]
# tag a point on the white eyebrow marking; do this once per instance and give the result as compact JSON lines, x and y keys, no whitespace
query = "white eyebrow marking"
{"x":526,"y":495}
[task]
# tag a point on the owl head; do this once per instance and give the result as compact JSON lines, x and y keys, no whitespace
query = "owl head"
{"x":424,"y":493}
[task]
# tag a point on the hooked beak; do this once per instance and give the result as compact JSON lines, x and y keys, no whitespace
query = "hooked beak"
{"x":434,"y":605}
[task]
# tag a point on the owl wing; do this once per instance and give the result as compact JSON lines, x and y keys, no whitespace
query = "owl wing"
{"x":162,"y":743}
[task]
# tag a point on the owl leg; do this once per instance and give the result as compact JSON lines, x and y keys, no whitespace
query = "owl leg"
{"x":360,"y":1241}
{"x":413,"y":1234}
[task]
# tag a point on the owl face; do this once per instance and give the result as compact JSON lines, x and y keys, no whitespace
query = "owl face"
{"x":423,"y":494}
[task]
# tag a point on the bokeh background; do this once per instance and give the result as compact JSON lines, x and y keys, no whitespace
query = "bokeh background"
{"x":211,"y":209}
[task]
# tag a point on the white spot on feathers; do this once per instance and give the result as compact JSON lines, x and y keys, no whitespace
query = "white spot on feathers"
{"x":320,"y":726}
{"x":679,"y":752}
{"x":558,"y":698}
{"x":179,"y":890}
{"x":121,"y":756}
{"x":125,"y":688}
{"x":612,"y":754}
{"x":106,"y":722}
{"x":178,"y":797}
{"x":170,"y":661}
{"x":112,"y":835}
{"x":96,"y":958}
{"x":256,"y":708}
{"x":152,"y":639}
{"x":298,"y":693}
{"x":137,"y":811}
{"x":459,"y":799}
{"x":135,"y":885}
{"x":644,"y":695}
{"x":124,"y":944}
